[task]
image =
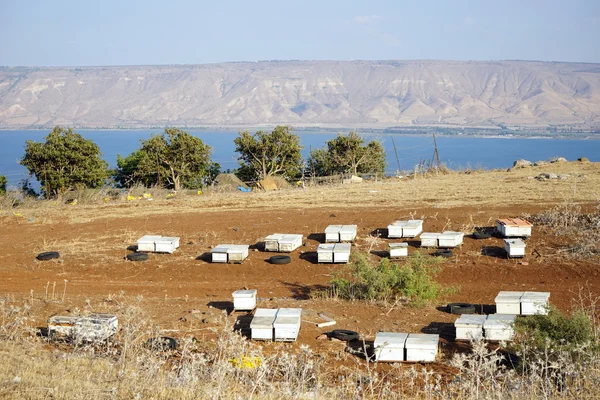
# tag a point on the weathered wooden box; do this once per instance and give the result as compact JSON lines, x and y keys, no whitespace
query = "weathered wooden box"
{"x":166,"y":244}
{"x":348,"y":233}
{"x":325,"y":253}
{"x":412,"y":228}
{"x":219,"y":254}
{"x":469,"y":327}
{"x":508,"y":302}
{"x":421,"y":347}
{"x":450,"y":239}
{"x":95,"y":327}
{"x":147,"y":243}
{"x":395,"y":229}
{"x":535,"y":303}
{"x":61,"y":326}
{"x":289,"y":243}
{"x":341,"y":252}
{"x":514,"y":247}
{"x":272,"y":242}
{"x":513,"y":227}
{"x":244,"y":299}
{"x":389,"y":346}
{"x":261,"y":326}
{"x":499,"y":327}
{"x":398,"y":250}
{"x":287,"y":324}
{"x":332,"y":233}
{"x":429,"y":239}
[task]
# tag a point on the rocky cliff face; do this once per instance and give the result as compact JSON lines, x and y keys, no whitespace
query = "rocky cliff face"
{"x":304,"y":93}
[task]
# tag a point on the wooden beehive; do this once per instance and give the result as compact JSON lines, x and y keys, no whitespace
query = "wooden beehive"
{"x":341,"y":252}
{"x":244,"y":299}
{"x":450,"y":239}
{"x":499,"y":327}
{"x":165,"y":244}
{"x":261,"y":326}
{"x":219,"y":254}
{"x":332,"y":233}
{"x":348,"y":233}
{"x":508,"y":302}
{"x":395,"y":229}
{"x":514,"y":247}
{"x":429,"y":239}
{"x":272,"y":242}
{"x":513,"y":227}
{"x":287,"y":324}
{"x":147,"y":243}
{"x":412,"y":228}
{"x":325,"y":253}
{"x":61,"y":326}
{"x":96,"y":327}
{"x":289,"y":243}
{"x":421,"y":347}
{"x":535,"y":303}
{"x":469,"y":327}
{"x":237,"y":253}
{"x":389,"y":346}
{"x":398,"y":250}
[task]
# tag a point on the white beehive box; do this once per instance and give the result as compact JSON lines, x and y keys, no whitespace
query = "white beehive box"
{"x":325,"y":253}
{"x":469,"y":327}
{"x":514,"y":227}
{"x":287,"y":324}
{"x":514,"y":247}
{"x":412,"y":228}
{"x":421,"y":347}
{"x":236,"y":253}
{"x":499,"y":327}
{"x":96,"y":327}
{"x":165,"y":244}
{"x":535,"y":303}
{"x":219,"y":254}
{"x":289,"y":243}
{"x":429,"y":239}
{"x":398,"y":250}
{"x":332,"y":233}
{"x":508,"y":302}
{"x":389,"y":346}
{"x":147,"y":243}
{"x":341,"y":253}
{"x":450,"y":239}
{"x":348,"y":233}
{"x":61,"y":326}
{"x":395,"y":229}
{"x":272,"y":242}
{"x":244,"y":300}
{"x":261,"y":326}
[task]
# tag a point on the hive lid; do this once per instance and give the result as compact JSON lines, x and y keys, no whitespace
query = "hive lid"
{"x":236,"y":248}
{"x":390,"y":339}
{"x":422,"y":340}
{"x":285,"y":312}
{"x":244,"y":293}
{"x":398,"y":245}
{"x":513,"y":222}
{"x":414,"y":223}
{"x":62,"y":319}
{"x":149,"y":238}
{"x":325,"y":248}
{"x":333,"y":228}
{"x":168,"y":239}
{"x":222,"y":248}
{"x":499,"y":321}
{"x":290,"y":238}
{"x":265,"y":312}
{"x":348,"y":228}
{"x":473,"y":320}
{"x":515,"y":243}
{"x":452,"y":234}
{"x":262,"y":322}
{"x":275,"y":236}
{"x":508,"y":297}
{"x":286,"y":320}
{"x":535,"y":296}
{"x":430,"y":235}
{"x":398,"y":223}
{"x":342,"y":248}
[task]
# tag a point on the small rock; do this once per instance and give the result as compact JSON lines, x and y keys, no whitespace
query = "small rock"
{"x":552,"y":176}
{"x":563,"y":176}
{"x":558,"y":160}
{"x":583,"y":159}
{"x":521,"y":163}
{"x":16,"y":379}
{"x":540,"y":163}
{"x":322,"y":336}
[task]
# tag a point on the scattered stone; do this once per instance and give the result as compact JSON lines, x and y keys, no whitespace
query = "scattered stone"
{"x":546,"y":176}
{"x":322,"y":336}
{"x":540,"y":163}
{"x":583,"y":159}
{"x":196,"y":311}
{"x":563,"y":176}
{"x":558,"y":160}
{"x":521,"y":163}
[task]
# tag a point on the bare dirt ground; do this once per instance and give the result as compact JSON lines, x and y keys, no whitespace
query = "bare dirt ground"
{"x":185,"y":294}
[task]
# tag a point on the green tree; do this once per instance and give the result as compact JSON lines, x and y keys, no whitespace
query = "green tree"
{"x":265,"y":154}
{"x":65,"y":161}
{"x":348,"y":154}
{"x":175,"y":159}
{"x":3,"y":183}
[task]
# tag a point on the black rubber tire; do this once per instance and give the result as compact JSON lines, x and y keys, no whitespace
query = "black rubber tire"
{"x":481,"y":235}
{"x":344,"y":335}
{"x":48,"y":255}
{"x":461,"y":308}
{"x":443,"y":253}
{"x":280,"y":260}
{"x":137,"y":256}
{"x":163,"y":343}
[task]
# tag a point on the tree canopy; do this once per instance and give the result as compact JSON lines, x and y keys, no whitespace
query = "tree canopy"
{"x":174,"y":159}
{"x":3,"y":183}
{"x":348,"y":154}
{"x":264,"y":154}
{"x":64,"y":161}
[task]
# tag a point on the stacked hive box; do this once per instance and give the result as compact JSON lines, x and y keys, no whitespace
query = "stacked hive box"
{"x":514,"y":227}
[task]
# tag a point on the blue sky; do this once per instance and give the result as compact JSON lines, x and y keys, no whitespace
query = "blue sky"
{"x":108,"y":32}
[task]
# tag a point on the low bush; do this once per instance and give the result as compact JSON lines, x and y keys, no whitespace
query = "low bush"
{"x":412,"y":282}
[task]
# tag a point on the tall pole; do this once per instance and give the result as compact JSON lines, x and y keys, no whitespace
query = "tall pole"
{"x":396,"y":151}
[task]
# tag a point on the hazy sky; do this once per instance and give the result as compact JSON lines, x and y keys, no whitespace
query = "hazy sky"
{"x":111,"y":32}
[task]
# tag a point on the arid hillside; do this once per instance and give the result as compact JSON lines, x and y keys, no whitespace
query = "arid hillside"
{"x":306,"y":93}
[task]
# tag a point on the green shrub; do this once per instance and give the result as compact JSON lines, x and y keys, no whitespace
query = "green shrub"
{"x":412,"y":282}
{"x":3,"y":183}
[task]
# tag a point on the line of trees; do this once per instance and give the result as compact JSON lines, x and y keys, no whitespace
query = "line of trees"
{"x":174,"y":159}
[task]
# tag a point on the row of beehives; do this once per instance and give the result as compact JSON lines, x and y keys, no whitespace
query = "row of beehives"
{"x":92,"y":328}
{"x":396,"y":346}
{"x":489,"y":327}
{"x":282,"y":324}
{"x":522,"y":303}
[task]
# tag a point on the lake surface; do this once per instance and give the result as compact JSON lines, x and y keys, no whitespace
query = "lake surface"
{"x":455,"y":151}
